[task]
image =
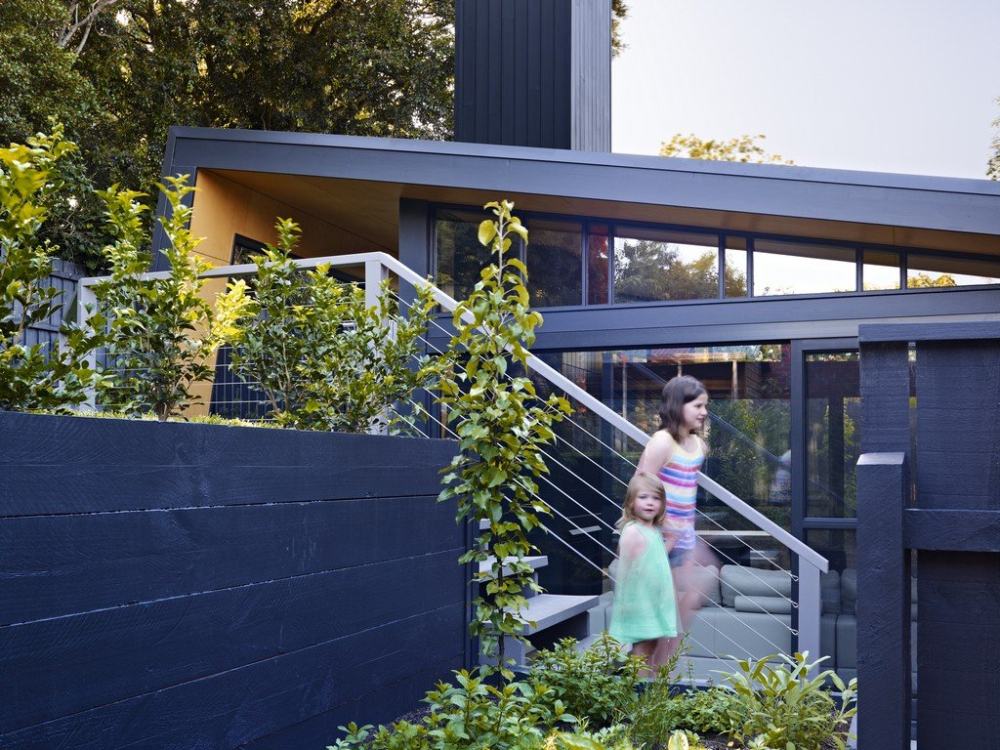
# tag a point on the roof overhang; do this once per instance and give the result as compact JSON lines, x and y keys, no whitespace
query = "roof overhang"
{"x":932,"y":212}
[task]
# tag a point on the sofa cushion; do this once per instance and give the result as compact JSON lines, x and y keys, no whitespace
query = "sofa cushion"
{"x":706,"y":580}
{"x":777,"y":605}
{"x":829,"y":591}
{"x":738,"y":580}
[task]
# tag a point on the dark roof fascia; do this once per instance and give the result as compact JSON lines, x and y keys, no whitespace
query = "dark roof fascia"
{"x":939,"y":203}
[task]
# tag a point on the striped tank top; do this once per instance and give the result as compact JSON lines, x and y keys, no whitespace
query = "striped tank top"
{"x":680,"y":480}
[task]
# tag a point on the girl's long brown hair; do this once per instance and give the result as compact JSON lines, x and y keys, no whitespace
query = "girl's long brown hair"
{"x":678,"y":391}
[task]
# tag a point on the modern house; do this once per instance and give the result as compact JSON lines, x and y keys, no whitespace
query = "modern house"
{"x":753,"y":278}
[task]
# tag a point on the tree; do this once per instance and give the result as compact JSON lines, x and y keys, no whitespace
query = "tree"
{"x":993,"y":166}
{"x":742,"y":148}
{"x":925,"y":281}
{"x":651,"y":270}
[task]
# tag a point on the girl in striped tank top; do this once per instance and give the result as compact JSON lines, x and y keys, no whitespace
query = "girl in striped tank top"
{"x":675,"y":453}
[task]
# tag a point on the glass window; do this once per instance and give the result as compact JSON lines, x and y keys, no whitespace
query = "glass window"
{"x":833,"y":433}
{"x":937,"y":271}
{"x":793,"y":268}
{"x":736,"y":267}
{"x":652,"y":265}
{"x":881,"y":270}
{"x":597,"y":264}
{"x":555,"y":265}
{"x":460,"y":257}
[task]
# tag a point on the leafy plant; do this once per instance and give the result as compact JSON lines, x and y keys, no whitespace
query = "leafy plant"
{"x":597,"y":684}
{"x":471,"y":713}
{"x":164,"y":330}
{"x":781,"y":706}
{"x":35,"y":376}
{"x":323,"y":357}
{"x":501,"y":425}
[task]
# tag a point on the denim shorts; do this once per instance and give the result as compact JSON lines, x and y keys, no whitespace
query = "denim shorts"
{"x":678,"y":556}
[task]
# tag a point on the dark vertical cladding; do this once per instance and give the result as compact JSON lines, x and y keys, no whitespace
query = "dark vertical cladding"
{"x":533,"y":73}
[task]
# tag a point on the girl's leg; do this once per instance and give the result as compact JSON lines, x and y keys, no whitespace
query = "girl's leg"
{"x":644,"y":650}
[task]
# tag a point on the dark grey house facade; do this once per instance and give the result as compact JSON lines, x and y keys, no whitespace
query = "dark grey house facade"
{"x":753,"y":278}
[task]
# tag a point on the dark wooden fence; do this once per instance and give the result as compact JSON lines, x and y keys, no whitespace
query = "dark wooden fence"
{"x":182,"y":586}
{"x":929,"y":497}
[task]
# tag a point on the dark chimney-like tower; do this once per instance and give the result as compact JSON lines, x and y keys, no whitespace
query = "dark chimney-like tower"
{"x":533,"y":73}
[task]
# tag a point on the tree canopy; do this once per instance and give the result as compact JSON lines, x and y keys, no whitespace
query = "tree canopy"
{"x":742,"y":148}
{"x":119,"y":73}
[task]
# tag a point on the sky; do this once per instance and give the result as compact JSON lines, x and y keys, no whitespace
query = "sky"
{"x":885,"y":85}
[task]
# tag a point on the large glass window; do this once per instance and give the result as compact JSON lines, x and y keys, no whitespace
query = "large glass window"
{"x":569,"y":263}
{"x":654,"y":265}
{"x":460,"y":257}
{"x":793,"y":268}
{"x":881,"y":270}
{"x":555,"y":264}
{"x":736,"y":267}
{"x":941,"y":271}
{"x":833,"y":433}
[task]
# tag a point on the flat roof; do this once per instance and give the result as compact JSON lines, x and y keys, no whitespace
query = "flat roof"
{"x":908,"y":201}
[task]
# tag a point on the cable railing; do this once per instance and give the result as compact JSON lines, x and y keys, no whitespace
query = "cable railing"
{"x":378,"y":266}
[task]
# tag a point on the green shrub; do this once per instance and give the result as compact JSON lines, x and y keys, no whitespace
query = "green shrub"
{"x":34,"y":377}
{"x":471,"y":714}
{"x":163,"y":331}
{"x":597,"y":684}
{"x":781,"y":706}
{"x":324,"y":359}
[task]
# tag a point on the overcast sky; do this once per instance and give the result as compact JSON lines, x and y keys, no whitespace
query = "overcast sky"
{"x":880,"y":85}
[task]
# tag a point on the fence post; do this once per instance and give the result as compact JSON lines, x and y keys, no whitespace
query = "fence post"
{"x":883,"y":602}
{"x":375,"y":274}
{"x":86,"y":303}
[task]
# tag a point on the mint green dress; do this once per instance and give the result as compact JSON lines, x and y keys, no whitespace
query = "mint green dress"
{"x":644,"y":606}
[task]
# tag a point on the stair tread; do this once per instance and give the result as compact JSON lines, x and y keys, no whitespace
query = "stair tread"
{"x":536,"y":562}
{"x":546,"y":610}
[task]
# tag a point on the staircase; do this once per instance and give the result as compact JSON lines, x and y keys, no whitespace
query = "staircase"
{"x":550,"y":617}
{"x":791,"y":620}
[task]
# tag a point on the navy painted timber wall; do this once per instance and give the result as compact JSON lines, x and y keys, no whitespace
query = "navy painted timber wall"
{"x":948,"y":515}
{"x":195,"y":586}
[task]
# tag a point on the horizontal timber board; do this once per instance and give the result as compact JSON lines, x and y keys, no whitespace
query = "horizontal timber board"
{"x":378,"y":706}
{"x":955,"y":530}
{"x":60,"y":565}
{"x":70,"y":664}
{"x":233,"y":708}
{"x":54,"y":465}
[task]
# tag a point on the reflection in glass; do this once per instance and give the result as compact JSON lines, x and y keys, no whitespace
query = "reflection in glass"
{"x":597,"y":264}
{"x":881,"y":270}
{"x":941,"y":271}
{"x":736,"y":267}
{"x":833,"y":433}
{"x":653,"y":265}
{"x":792,"y":268}
{"x":555,"y":271}
{"x":459,"y":255}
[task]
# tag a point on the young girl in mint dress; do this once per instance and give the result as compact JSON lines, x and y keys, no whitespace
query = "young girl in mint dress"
{"x":675,"y":454}
{"x":644,"y":610}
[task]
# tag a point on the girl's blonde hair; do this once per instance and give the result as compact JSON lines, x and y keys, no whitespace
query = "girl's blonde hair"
{"x":640,"y":482}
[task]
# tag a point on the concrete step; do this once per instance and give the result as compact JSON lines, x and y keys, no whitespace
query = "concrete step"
{"x":546,"y":610}
{"x":536,"y":562}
